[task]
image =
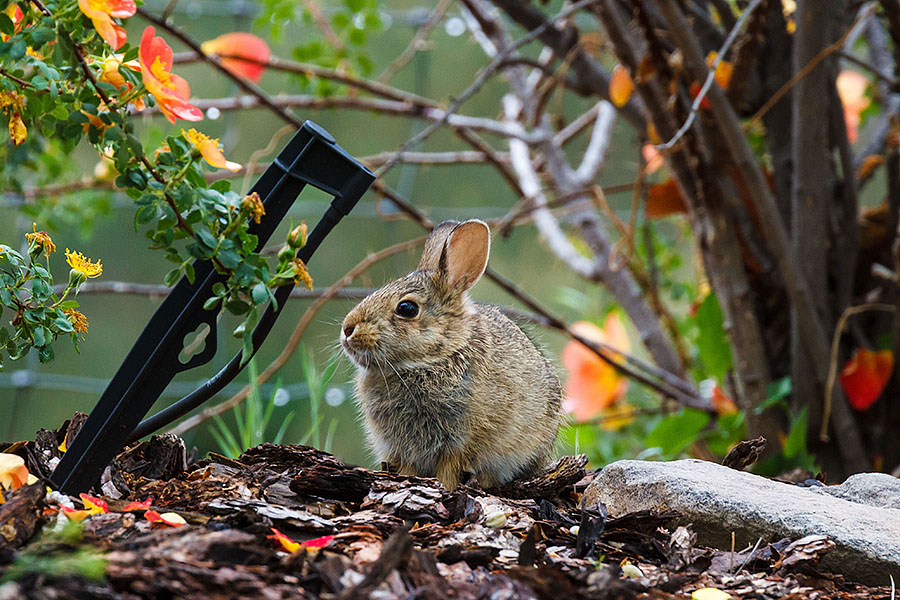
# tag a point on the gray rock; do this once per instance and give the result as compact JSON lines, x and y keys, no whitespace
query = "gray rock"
{"x":871,"y":489}
{"x":717,"y":501}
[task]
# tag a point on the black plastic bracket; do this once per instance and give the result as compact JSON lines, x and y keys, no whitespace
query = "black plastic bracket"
{"x":311,"y":157}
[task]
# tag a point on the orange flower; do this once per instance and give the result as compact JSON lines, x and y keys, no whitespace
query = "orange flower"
{"x":112,"y":76}
{"x":170,"y":90}
{"x":101,"y":12}
{"x":865,"y":376}
{"x":851,"y":87}
{"x":15,"y":15}
{"x":593,"y":385}
{"x":652,"y":157}
{"x":244,"y":45}
{"x":209,"y":150}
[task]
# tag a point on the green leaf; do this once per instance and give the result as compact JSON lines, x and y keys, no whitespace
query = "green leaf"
{"x":712,"y":342}
{"x":776,"y":392}
{"x":206,"y":238}
{"x":260,"y":293}
{"x":18,"y":50}
{"x":237,"y":307}
{"x":211,"y":303}
{"x":6,"y":25}
{"x":795,"y":444}
{"x":172,"y":277}
{"x":676,"y":432}
{"x":63,"y":325}
{"x":40,"y":338}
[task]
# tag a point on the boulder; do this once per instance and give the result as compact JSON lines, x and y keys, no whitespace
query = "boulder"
{"x":717,"y":501}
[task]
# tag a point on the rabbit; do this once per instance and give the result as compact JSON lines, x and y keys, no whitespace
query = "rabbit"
{"x":448,"y":386}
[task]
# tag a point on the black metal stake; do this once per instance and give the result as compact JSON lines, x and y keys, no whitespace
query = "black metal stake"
{"x":311,"y":157}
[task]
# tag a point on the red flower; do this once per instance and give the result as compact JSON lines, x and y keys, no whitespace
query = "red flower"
{"x":170,"y":90}
{"x":865,"y":375}
{"x":101,"y":13}
{"x":244,"y":45}
{"x":593,"y":385}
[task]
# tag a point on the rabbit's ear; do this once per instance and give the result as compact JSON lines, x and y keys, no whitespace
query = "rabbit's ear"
{"x":434,"y":246}
{"x":466,"y":254}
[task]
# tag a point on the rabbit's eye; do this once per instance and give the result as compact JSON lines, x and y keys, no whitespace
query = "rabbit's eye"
{"x":407,"y":309}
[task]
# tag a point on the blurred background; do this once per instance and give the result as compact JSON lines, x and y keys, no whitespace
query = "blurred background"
{"x":310,"y":400}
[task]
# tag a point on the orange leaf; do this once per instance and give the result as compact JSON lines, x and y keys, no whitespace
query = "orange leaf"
{"x":865,"y":376}
{"x":244,"y":45}
{"x":620,"y":86}
{"x":76,"y":515}
{"x":139,"y":505}
{"x":664,"y":199}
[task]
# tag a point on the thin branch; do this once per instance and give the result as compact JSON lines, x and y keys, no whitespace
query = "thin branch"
{"x":310,"y":70}
{"x":241,"y":82}
{"x":391,"y":107}
{"x":296,"y":335}
{"x":710,"y":76}
{"x":20,"y":82}
{"x":417,"y":43}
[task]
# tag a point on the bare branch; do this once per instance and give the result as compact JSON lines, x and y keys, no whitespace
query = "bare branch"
{"x":417,"y":43}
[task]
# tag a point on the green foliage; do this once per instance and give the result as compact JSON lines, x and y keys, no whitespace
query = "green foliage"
{"x":58,"y":555}
{"x":713,"y":346}
{"x":37,"y":314}
{"x":252,"y":418}
{"x":342,"y":33}
{"x":62,"y":86}
{"x":317,"y":383}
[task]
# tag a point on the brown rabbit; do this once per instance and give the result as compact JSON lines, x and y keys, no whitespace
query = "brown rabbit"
{"x":447,"y":385}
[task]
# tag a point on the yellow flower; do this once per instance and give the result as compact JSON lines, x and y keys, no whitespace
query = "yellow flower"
{"x":254,"y":206}
{"x":209,"y":150}
{"x":80,"y":324}
{"x":82,"y":264}
{"x":301,"y":274}
{"x":12,"y":104}
{"x":40,"y":239}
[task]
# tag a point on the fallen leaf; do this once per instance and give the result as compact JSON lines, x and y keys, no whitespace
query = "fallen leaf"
{"x":139,"y":505}
{"x":94,"y":504}
{"x":171,"y":519}
{"x":13,"y":473}
{"x":865,"y":375}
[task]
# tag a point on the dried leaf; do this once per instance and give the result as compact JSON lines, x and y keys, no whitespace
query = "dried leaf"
{"x":868,"y":165}
{"x":710,"y":594}
{"x":664,"y":199}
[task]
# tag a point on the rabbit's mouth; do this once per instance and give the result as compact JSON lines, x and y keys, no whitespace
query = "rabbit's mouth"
{"x":362,"y":358}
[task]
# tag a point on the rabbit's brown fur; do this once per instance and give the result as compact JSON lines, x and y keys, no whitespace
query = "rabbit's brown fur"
{"x":459,"y":387}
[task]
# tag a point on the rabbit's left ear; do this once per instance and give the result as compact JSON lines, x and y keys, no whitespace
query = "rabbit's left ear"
{"x":466,"y":254}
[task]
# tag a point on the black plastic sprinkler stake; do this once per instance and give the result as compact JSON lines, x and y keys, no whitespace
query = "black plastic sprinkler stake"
{"x":311,"y":157}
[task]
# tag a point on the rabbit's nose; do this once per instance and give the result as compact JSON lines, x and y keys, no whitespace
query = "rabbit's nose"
{"x":348,"y":330}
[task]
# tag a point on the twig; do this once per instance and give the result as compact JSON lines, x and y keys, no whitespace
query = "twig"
{"x":21,"y":82}
{"x":835,"y":345}
{"x":710,"y":76}
{"x":867,"y":66}
{"x":309,"y":70}
{"x":416,"y":43}
{"x":243,"y":83}
{"x":296,"y":335}
{"x":817,"y":59}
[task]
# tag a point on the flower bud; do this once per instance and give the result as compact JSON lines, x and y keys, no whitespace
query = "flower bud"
{"x":297,"y":237}
{"x":285,"y":254}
